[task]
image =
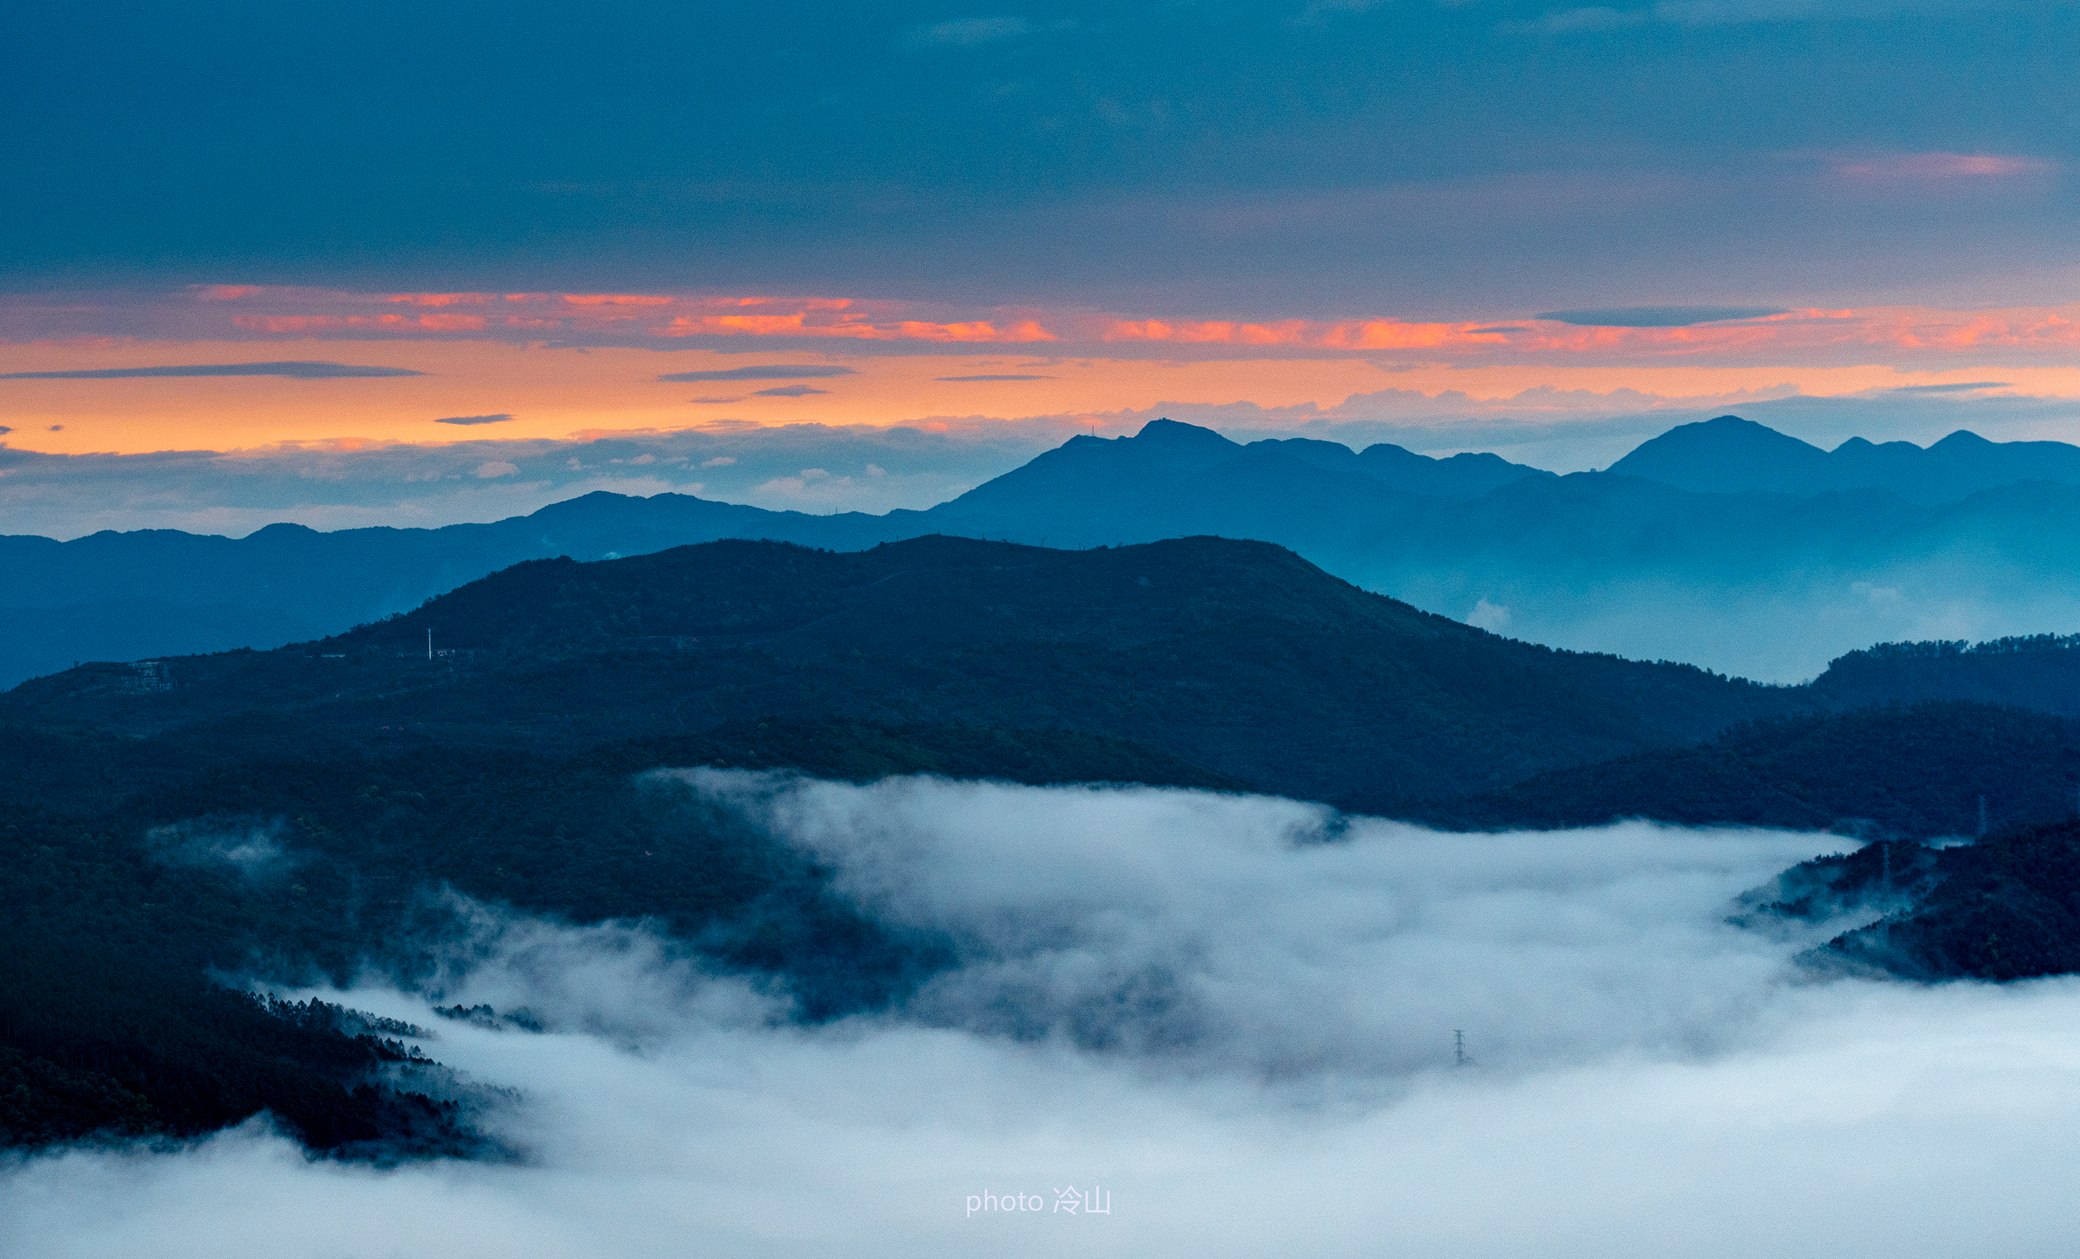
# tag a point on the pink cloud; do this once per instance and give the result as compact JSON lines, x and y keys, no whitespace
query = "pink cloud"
{"x":1807,"y":336}
{"x":1937,"y":167}
{"x":615,"y":299}
{"x":1349,"y":334}
{"x":392,"y":323}
{"x":439,"y":299}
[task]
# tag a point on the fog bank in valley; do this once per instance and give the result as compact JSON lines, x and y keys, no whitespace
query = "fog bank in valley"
{"x":1233,"y":1014}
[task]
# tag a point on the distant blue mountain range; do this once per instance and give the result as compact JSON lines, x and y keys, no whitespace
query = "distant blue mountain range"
{"x":1722,"y":543}
{"x":1730,"y":455}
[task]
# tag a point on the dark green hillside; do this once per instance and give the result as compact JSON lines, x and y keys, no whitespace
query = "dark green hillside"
{"x":2004,"y":908}
{"x":2042,"y":672}
{"x":1914,"y":772}
{"x":107,"y":1023}
{"x":1239,"y":656}
{"x":120,"y":897}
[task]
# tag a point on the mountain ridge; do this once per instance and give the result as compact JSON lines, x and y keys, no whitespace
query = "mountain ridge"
{"x":1604,"y":561}
{"x":1240,"y":656}
{"x":1730,"y":455}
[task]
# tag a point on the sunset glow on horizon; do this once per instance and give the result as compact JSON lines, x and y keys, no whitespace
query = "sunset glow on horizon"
{"x":556,"y":364}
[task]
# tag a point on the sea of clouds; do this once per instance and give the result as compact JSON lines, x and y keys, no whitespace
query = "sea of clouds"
{"x":1231,"y":1018}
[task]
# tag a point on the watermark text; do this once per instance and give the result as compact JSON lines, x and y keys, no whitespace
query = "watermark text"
{"x":1067,"y":1200}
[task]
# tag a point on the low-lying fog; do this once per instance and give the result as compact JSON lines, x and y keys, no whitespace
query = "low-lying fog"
{"x":1232,"y":1018}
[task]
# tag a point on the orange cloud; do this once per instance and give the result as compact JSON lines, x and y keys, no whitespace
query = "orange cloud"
{"x":453,"y":323}
{"x":439,"y":299}
{"x":395,"y":323}
{"x":1899,"y":336}
{"x":973,"y":332}
{"x":854,"y":327}
{"x":1368,"y":334}
{"x":1290,"y":332}
{"x":615,"y":299}
{"x":1791,"y":336}
{"x":1392,"y":334}
{"x":730,"y":325}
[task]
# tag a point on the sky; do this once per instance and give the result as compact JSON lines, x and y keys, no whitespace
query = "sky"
{"x":1483,"y":224}
{"x":1231,"y":1017}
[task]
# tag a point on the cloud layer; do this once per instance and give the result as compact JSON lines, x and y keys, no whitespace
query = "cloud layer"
{"x":1930,"y":337}
{"x":771,"y":371}
{"x":293,"y":371}
{"x":1269,"y":940}
{"x":1648,"y":1080}
{"x":1659,"y":316}
{"x":333,"y":485}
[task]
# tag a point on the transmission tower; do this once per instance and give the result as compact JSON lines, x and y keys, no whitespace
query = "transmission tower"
{"x":1459,"y":1058}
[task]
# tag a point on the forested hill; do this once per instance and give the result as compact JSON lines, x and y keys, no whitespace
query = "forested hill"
{"x":2040,"y":672}
{"x":1905,"y":771}
{"x":1239,"y":656}
{"x":134,"y":870}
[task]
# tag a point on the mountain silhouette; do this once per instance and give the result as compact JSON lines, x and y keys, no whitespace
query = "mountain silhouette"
{"x":1238,"y":656}
{"x":1752,"y":574}
{"x":1729,"y":455}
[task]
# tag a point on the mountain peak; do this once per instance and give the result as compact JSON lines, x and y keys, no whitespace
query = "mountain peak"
{"x":1729,"y":454}
{"x":1724,"y":454}
{"x":1166,"y":432}
{"x":1962,"y":439}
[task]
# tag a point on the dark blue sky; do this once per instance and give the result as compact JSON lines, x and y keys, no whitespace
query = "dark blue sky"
{"x":1247,"y":158}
